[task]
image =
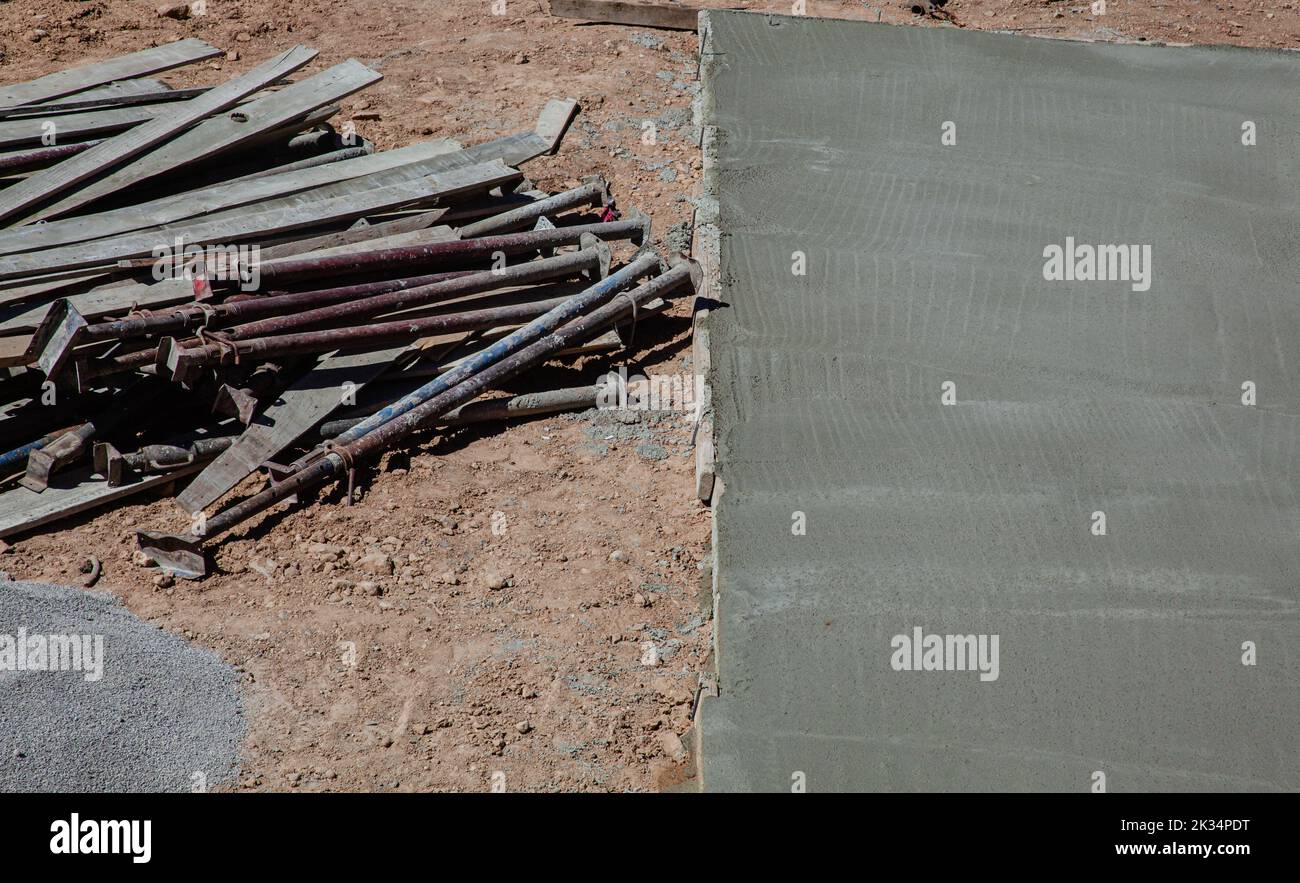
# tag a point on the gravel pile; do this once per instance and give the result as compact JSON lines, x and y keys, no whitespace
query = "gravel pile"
{"x":161,"y":715}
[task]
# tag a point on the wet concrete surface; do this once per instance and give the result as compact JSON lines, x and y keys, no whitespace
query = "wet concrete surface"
{"x":921,"y":431}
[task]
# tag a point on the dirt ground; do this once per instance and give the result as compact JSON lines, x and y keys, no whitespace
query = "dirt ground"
{"x":534,"y":566}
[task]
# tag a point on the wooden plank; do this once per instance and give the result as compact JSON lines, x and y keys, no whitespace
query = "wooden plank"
{"x":306,"y":402}
{"x":46,"y":287}
{"x":114,"y":91}
{"x":282,"y":136}
{"x":72,"y":126}
{"x":70,"y":493}
{"x":452,"y":163}
{"x":74,"y":170}
{"x":246,"y":225}
{"x":552,"y":123}
{"x":13,"y":350}
{"x":113,"y":96}
{"x":106,"y":300}
{"x":627,"y":12}
{"x":359,"y":233}
{"x":123,"y":67}
{"x":225,"y":132}
{"x":124,"y":93}
{"x":424,"y":236}
{"x":169,"y":209}
{"x":438,"y":156}
{"x":361,"y":148}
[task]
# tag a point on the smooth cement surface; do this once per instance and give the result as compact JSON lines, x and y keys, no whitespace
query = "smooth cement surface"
{"x":1158,"y":648}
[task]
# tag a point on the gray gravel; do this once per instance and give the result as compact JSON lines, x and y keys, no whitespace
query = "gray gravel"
{"x":164,"y":716}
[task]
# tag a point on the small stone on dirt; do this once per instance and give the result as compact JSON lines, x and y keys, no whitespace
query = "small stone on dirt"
{"x":652,"y":452}
{"x":671,"y":744}
{"x":377,"y":563}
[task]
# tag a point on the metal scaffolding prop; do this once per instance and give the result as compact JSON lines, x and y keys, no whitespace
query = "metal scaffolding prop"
{"x":189,"y":278}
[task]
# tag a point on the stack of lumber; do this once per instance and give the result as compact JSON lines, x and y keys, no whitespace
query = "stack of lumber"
{"x":196,"y":284}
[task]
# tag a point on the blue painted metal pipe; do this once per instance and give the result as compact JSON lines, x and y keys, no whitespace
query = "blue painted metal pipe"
{"x":18,"y":456}
{"x":517,"y":340}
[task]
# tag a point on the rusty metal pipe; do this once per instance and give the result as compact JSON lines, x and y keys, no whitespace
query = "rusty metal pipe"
{"x":591,"y":260}
{"x":595,"y":295}
{"x":321,"y":159}
{"x":552,"y":401}
{"x":164,"y":457}
{"x":574,"y":332}
{"x":43,"y":462}
{"x":23,"y":159}
{"x":155,"y":459}
{"x":636,"y":228}
{"x":593,"y":192}
{"x":337,"y":459}
{"x":183,"y":362}
{"x":189,"y":317}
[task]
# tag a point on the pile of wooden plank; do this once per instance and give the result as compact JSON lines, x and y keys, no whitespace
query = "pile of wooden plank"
{"x":199,"y":284}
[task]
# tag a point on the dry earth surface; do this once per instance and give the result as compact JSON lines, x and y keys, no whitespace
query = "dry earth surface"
{"x":481,"y":617}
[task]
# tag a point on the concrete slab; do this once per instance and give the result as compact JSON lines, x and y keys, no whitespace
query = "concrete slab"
{"x":944,"y":421}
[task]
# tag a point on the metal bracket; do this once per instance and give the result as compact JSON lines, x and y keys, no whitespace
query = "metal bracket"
{"x":278,"y":472}
{"x":172,"y":359}
{"x":41,"y":464}
{"x":56,"y":336}
{"x":109,"y":463}
{"x":307,"y":459}
{"x":588,"y":240}
{"x":234,"y":402}
{"x":643,"y":237}
{"x":606,"y":196}
{"x":697,"y":272}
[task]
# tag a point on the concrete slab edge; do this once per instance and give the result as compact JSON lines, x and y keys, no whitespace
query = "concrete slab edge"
{"x":1118,"y":38}
{"x":705,"y":248}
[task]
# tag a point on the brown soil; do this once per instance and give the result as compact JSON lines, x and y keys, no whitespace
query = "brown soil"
{"x":515,"y":651}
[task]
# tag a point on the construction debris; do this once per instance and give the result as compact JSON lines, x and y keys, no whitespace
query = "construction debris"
{"x":192,"y":285}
